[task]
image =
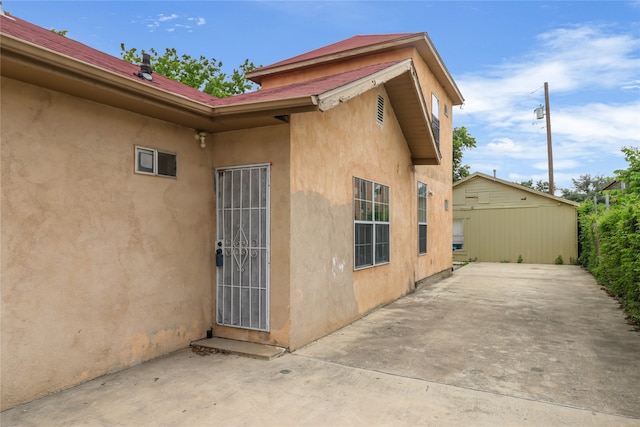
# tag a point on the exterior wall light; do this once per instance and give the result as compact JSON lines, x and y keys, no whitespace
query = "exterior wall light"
{"x":201,"y":135}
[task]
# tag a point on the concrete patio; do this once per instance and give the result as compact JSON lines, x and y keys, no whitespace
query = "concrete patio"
{"x":494,"y":344}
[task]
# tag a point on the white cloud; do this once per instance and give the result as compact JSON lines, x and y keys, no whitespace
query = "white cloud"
{"x":508,"y":148}
{"x":164,"y":18}
{"x":198,"y":21}
{"x":557,"y":165}
{"x":599,"y":126}
{"x":173,"y":22}
{"x":572,"y":59}
{"x":587,"y":67}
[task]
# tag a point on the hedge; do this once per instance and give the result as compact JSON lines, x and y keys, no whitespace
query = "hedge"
{"x":610,"y":239}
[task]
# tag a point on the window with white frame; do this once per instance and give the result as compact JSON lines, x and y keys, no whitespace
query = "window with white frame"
{"x":150,"y":161}
{"x":371,"y":203}
{"x":422,"y":217}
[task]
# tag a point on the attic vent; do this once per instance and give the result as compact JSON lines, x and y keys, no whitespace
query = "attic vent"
{"x":380,"y":112}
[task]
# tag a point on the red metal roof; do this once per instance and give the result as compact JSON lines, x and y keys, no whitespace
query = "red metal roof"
{"x":39,"y":36}
{"x":342,"y":46}
{"x":306,"y":88}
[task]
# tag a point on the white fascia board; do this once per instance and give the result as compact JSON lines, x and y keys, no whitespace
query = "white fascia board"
{"x":331,"y":98}
{"x":258,"y":106}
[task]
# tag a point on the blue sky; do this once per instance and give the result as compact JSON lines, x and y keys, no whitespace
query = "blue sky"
{"x":499,"y":53}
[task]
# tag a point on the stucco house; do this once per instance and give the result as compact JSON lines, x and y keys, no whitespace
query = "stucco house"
{"x":138,"y":213}
{"x":499,"y":221}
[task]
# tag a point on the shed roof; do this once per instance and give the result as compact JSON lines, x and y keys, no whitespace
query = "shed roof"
{"x":614,"y":185}
{"x":480,"y":175}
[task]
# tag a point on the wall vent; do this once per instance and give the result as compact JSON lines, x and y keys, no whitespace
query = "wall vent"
{"x":380,"y":112}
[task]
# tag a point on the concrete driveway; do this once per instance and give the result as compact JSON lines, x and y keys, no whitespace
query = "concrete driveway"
{"x":495,"y":344}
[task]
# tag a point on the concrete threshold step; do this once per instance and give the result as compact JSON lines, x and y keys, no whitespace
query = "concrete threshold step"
{"x":240,"y":348}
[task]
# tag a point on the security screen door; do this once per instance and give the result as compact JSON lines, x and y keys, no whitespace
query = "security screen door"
{"x":242,"y":283}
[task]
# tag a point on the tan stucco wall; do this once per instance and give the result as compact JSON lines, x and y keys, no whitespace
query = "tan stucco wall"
{"x":256,"y":146}
{"x":502,"y":223}
{"x":327,"y":150}
{"x":101,"y":268}
{"x":439,"y":179}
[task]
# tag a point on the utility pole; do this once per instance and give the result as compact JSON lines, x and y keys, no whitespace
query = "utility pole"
{"x":549,"y":150}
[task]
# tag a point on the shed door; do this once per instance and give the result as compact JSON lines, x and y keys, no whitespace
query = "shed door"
{"x":242,"y":283}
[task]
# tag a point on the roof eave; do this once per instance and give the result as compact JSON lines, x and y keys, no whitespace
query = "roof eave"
{"x":431,"y":56}
{"x":68,"y":75}
{"x":289,"y":105}
{"x":331,"y":98}
{"x":258,"y":74}
{"x":405,"y":95}
{"x":514,"y":185}
{"x":421,"y":41}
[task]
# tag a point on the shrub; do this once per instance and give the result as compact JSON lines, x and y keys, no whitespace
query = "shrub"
{"x":610,"y":240}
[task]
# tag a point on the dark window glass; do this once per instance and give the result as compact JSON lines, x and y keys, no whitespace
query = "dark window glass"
{"x":422,"y":217}
{"x":363,"y":245}
{"x":167,"y":164}
{"x":422,"y":238}
{"x":382,"y":243}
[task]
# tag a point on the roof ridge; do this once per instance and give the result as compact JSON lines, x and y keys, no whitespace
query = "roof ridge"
{"x":318,"y":84}
{"x":482,"y":175}
{"x":339,"y":47}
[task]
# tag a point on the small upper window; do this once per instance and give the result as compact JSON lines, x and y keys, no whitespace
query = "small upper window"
{"x":155,"y":162}
{"x":435,"y":107}
{"x":435,"y":119}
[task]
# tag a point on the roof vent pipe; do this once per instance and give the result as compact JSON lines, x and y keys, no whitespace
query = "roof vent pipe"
{"x":145,"y":67}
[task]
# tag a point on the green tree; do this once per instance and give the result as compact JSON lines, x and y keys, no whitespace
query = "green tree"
{"x":200,"y":73}
{"x":62,"y":33}
{"x":631,"y":176}
{"x":538,"y":185}
{"x":610,"y":238}
{"x":462,"y":140}
{"x":585,"y":187}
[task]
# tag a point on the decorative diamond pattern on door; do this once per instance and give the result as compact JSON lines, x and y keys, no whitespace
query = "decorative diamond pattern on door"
{"x":242,"y":284}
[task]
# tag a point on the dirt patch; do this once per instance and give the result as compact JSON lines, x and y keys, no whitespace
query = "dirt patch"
{"x":204,"y":351}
